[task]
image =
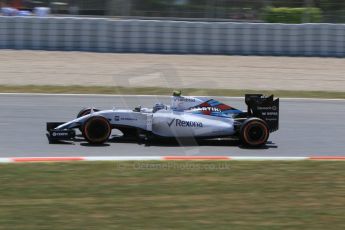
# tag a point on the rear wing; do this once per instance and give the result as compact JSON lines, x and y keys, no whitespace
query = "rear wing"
{"x":265,"y":108}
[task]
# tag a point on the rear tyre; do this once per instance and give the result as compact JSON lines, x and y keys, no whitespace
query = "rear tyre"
{"x":96,"y":130}
{"x":254,"y":132}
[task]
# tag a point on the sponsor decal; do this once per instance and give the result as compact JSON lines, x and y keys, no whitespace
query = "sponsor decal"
{"x":269,"y":113}
{"x":128,"y":119}
{"x":274,"y":108}
{"x":118,"y":118}
{"x":170,"y":123}
{"x":59,"y":134}
{"x":271,"y":119}
{"x":211,"y":109}
{"x":184,"y":99}
{"x":189,"y":124}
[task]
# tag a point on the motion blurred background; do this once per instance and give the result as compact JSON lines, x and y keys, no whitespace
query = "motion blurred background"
{"x":205,"y":28}
{"x":293,"y":11}
{"x":231,"y":27}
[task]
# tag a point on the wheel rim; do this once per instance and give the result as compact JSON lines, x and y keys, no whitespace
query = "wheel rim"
{"x":256,"y":133}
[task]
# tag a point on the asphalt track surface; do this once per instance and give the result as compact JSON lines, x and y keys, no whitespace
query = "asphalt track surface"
{"x":308,"y":127}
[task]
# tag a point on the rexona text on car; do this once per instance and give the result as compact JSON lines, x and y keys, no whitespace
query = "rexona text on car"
{"x":186,"y":117}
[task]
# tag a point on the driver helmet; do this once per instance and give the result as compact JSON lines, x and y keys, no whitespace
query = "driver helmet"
{"x":158,"y":106}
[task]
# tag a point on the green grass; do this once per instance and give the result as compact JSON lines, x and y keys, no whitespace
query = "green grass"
{"x":162,"y":91}
{"x":173,"y":195}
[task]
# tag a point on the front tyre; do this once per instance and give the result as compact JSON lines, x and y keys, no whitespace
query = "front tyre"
{"x":254,"y":132}
{"x":96,"y":130}
{"x":85,"y":111}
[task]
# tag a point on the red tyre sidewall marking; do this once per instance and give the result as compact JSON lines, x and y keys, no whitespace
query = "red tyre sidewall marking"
{"x":251,"y":124}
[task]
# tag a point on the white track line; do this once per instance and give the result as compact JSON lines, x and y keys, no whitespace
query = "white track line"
{"x":165,"y":158}
{"x":5,"y":160}
{"x":269,"y":158}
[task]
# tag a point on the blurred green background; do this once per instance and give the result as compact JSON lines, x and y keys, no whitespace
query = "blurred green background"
{"x":290,"y":11}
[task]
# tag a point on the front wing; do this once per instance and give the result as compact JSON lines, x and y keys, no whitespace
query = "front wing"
{"x":57,"y":135}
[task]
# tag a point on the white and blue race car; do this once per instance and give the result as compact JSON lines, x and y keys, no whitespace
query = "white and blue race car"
{"x":186,"y":117}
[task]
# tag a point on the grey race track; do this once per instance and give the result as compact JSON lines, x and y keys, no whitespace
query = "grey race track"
{"x":307,"y":128}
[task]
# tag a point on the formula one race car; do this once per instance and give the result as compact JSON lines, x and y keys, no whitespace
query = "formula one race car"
{"x":186,"y":117}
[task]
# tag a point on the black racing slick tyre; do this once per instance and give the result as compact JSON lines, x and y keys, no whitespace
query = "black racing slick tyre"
{"x":254,"y":132}
{"x":85,"y":111}
{"x":96,"y":130}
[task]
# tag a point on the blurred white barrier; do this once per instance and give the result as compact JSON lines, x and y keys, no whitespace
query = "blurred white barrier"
{"x":9,"y":11}
{"x":144,"y":36}
{"x":42,"y":11}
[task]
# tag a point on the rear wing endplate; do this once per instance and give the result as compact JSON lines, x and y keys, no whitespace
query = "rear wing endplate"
{"x":266,"y":108}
